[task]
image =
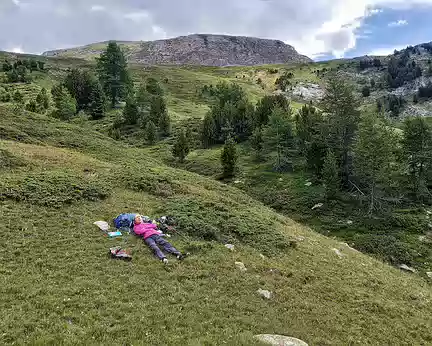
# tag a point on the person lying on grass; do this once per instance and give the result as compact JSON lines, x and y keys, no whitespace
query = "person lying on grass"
{"x":152,"y":237}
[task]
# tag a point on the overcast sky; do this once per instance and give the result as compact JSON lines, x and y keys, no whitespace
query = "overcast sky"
{"x":318,"y":28}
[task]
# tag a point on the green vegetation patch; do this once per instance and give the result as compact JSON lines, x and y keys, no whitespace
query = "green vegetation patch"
{"x":52,"y":189}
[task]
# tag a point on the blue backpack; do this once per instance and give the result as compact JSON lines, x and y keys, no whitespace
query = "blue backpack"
{"x":124,"y":222}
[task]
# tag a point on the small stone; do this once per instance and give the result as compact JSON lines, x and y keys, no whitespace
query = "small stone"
{"x":349,"y":247}
{"x":264,"y":293}
{"x":316,"y":206}
{"x":280,"y":179}
{"x":241,"y":266}
{"x":262,"y":256}
{"x":308,"y":184}
{"x":430,"y":225}
{"x":300,"y":238}
{"x":338,"y":253}
{"x":230,"y":246}
{"x":425,"y":239}
{"x":349,"y":222}
{"x":429,"y":275}
{"x":428,"y":212}
{"x":237,"y":182}
{"x":406,"y":268}
{"x":280,"y":340}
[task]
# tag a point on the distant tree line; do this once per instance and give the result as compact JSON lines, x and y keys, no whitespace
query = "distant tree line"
{"x":19,"y":70}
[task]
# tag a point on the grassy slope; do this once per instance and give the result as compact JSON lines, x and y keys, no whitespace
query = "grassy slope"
{"x":59,"y":286}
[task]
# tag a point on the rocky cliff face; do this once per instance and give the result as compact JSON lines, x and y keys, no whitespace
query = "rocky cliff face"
{"x":206,"y":50}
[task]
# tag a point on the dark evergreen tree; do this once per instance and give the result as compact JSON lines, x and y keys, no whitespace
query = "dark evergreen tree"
{"x":31,"y":106}
{"x":65,"y":104}
{"x":153,"y":87}
{"x":208,"y":133}
{"x":151,"y":132}
{"x":181,"y":146}
{"x":331,"y":175}
{"x":113,"y":73}
{"x":265,"y":107}
{"x":164,"y":124}
{"x":343,"y":117}
{"x":229,"y":158}
{"x":131,"y":112}
{"x":97,"y":102}
{"x":416,"y":148}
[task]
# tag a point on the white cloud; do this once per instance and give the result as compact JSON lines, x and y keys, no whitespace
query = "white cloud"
{"x":97,"y":8}
{"x":400,"y":22}
{"x":312,"y":27}
{"x":16,"y":49}
{"x":383,"y":51}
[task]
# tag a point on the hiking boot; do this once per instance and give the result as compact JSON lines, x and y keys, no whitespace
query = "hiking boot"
{"x":165,"y":261}
{"x":182,"y":256}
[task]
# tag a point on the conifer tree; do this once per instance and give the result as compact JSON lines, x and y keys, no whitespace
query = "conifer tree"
{"x":151,"y":132}
{"x":208,"y":132}
{"x":374,"y":155}
{"x":97,"y":102}
{"x":130,"y":112}
{"x":113,"y":73}
{"x":331,"y":175}
{"x":229,"y":158}
{"x":181,"y":146}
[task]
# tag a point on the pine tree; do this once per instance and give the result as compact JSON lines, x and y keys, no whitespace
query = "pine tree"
{"x":279,"y":137}
{"x":130,"y":112}
{"x":31,"y":106}
{"x":113,"y":73}
{"x":374,"y":155}
{"x":416,"y":148}
{"x":165,"y":124}
{"x":12,"y":76}
{"x":157,"y":108}
{"x":42,"y":100}
{"x":229,"y":158}
{"x":97,"y":102}
{"x":331,"y":175}
{"x":151,"y":132}
{"x":66,"y":105}
{"x":153,"y":87}
{"x":343,"y":117}
{"x":308,"y":123}
{"x":257,"y":141}
{"x":208,"y":131}
{"x":181,"y":146}
{"x":17,"y":97}
{"x":143,"y":98}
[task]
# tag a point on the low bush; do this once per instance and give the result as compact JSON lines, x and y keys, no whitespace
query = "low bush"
{"x":52,"y":189}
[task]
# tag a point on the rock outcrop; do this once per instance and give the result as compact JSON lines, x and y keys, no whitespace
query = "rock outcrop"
{"x":200,"y":49}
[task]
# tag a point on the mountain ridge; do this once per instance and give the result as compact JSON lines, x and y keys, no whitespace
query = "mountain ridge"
{"x":197,"y":49}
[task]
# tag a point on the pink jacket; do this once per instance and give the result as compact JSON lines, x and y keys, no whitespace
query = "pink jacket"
{"x":145,"y":230}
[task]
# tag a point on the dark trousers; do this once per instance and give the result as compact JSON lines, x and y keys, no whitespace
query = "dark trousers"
{"x":156,"y":240}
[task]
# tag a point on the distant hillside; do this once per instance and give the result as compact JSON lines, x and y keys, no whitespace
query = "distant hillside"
{"x":206,"y":50}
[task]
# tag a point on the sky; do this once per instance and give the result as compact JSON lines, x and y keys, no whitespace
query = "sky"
{"x":321,"y":29}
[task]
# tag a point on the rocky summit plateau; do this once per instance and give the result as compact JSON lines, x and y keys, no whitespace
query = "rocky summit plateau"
{"x":198,"y":49}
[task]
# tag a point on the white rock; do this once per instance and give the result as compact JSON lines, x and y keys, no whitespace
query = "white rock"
{"x":349,"y":222}
{"x":280,"y":179}
{"x":237,"y":182}
{"x":406,"y":268}
{"x":316,"y":206}
{"x":308,"y":183}
{"x":241,"y":266}
{"x":425,"y":239}
{"x":262,"y":256}
{"x":429,"y":275}
{"x":230,"y":246}
{"x":300,"y":238}
{"x":280,"y":340}
{"x":338,"y":253}
{"x":349,"y":247}
{"x":103,"y":225}
{"x":264,"y":293}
